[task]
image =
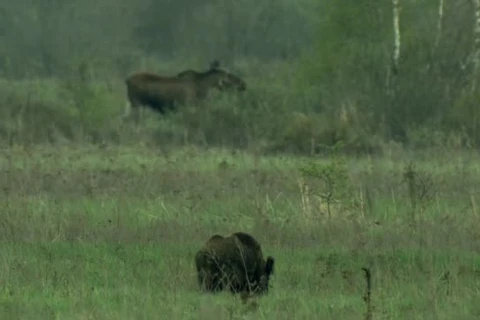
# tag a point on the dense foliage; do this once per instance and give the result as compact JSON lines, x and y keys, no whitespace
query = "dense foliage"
{"x":318,"y":72}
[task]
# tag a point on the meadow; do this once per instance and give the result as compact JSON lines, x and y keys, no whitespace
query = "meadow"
{"x":110,"y":231}
{"x":354,"y":146}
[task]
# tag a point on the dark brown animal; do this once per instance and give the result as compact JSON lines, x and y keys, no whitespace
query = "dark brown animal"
{"x":188,"y":74}
{"x":192,"y":74}
{"x":234,"y":262}
{"x":163,"y":93}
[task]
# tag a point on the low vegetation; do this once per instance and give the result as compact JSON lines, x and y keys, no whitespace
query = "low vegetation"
{"x":111,"y":232}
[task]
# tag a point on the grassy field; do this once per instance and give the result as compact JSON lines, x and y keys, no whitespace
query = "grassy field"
{"x":110,"y":233}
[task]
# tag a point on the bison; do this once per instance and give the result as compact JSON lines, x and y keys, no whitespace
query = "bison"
{"x":235,"y":263}
{"x":161,"y":93}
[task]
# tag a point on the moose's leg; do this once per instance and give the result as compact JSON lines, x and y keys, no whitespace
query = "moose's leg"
{"x":127,"y":110}
{"x":132,"y":110}
{"x":137,"y":111}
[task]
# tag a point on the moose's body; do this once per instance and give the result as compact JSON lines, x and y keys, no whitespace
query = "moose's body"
{"x":188,"y":74}
{"x":159,"y":93}
{"x":162,"y":93}
{"x":193,"y":75}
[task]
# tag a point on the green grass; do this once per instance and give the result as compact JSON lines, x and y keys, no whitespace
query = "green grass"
{"x":110,"y":233}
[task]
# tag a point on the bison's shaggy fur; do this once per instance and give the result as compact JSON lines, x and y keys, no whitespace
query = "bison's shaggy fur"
{"x":234,"y":262}
{"x":161,"y":93}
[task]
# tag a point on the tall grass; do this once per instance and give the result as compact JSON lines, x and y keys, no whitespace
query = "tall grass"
{"x":110,"y":232}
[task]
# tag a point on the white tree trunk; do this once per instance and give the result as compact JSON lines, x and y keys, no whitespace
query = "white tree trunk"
{"x":397,"y":41}
{"x":476,"y":34}
{"x":439,"y":24}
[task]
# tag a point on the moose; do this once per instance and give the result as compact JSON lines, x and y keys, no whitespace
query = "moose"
{"x":233,"y":263}
{"x":162,"y":93}
{"x":192,"y":74}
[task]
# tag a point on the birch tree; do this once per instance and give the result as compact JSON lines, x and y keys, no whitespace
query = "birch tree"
{"x":396,"y":41}
{"x":476,"y":35}
{"x":439,"y":23}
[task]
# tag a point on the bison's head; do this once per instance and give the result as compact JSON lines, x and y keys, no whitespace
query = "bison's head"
{"x":267,"y":272}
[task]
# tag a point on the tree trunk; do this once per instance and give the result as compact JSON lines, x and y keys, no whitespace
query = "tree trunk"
{"x":397,"y":41}
{"x":476,"y":35}
{"x":231,"y":34}
{"x":439,"y":24}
